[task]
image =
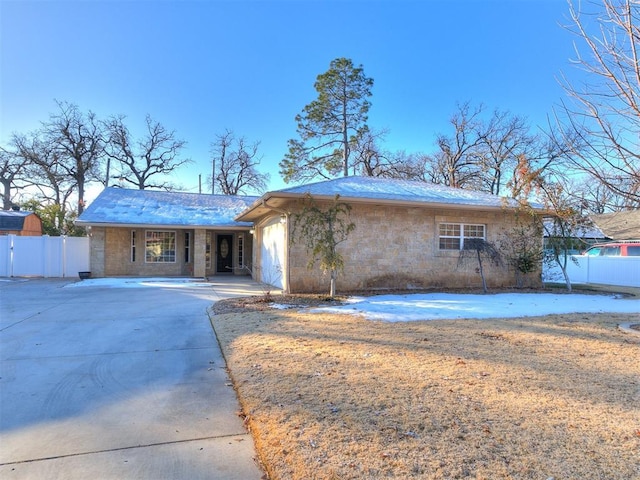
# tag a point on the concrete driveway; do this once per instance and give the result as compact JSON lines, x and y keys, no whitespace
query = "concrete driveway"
{"x":107,"y":382}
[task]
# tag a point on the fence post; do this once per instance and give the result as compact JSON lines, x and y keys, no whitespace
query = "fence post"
{"x":46,"y":247}
{"x":11,"y":239}
{"x":64,"y":256}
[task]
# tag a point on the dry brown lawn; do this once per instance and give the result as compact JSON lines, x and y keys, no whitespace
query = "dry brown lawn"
{"x":341,"y":397}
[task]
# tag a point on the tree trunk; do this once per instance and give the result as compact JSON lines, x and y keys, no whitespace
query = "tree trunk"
{"x":567,"y":280}
{"x":345,"y":140}
{"x":332,"y":287}
{"x":565,"y":274}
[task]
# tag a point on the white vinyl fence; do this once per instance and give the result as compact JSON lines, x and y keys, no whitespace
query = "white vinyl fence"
{"x":43,"y":256}
{"x":619,"y":271}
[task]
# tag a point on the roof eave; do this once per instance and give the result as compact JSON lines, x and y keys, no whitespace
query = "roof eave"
{"x":82,"y":223}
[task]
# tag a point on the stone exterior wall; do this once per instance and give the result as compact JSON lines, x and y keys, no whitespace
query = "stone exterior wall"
{"x":111,"y":254}
{"x":96,"y":251}
{"x":118,"y":261}
{"x":398,"y":247}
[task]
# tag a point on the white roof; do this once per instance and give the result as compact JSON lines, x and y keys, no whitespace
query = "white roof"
{"x":387,"y":189}
{"x":15,"y":213}
{"x":383,"y":191}
{"x":125,"y":207}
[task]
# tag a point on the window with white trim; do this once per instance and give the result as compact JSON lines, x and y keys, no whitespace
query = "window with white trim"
{"x":160,"y":246}
{"x":452,"y":235}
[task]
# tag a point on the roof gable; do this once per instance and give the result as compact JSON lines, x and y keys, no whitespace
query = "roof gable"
{"x":120,"y":207}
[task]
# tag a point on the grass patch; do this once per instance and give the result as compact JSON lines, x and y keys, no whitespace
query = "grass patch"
{"x":339,"y":397}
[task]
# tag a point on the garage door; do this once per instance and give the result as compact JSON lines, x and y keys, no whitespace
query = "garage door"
{"x":272,"y":255}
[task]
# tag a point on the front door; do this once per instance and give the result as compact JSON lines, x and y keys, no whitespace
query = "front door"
{"x":224,"y":254}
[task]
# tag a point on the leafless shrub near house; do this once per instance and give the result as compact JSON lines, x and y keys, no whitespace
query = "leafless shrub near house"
{"x":480,"y":250}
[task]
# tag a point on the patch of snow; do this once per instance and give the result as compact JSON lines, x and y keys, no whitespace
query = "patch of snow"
{"x":130,"y":282}
{"x":445,"y":306}
{"x":281,"y":306}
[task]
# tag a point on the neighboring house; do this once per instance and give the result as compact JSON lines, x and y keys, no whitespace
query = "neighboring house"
{"x":150,"y":233}
{"x":408,"y":234}
{"x":619,"y":225}
{"x":19,"y":223}
{"x":581,"y":238}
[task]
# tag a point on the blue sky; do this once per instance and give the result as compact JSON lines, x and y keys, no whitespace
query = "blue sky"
{"x":200,"y":67}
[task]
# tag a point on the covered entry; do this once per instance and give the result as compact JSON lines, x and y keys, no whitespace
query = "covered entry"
{"x":226,"y":252}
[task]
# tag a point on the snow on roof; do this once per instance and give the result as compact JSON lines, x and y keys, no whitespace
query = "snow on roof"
{"x":119,"y":206}
{"x":585,"y":231}
{"x":15,"y":213}
{"x":13,"y":220}
{"x":397,"y":190}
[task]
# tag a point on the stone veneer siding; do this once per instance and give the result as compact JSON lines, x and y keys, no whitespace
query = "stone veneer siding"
{"x":110,"y":253}
{"x":398,"y":247}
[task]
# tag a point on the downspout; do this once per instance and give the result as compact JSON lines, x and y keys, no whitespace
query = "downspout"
{"x":286,"y":244}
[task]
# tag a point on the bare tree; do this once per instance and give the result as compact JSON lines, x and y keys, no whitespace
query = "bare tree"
{"x":479,"y":249}
{"x":503,"y":139}
{"x":235,"y":162}
{"x":490,"y":153}
{"x":50,"y":179}
{"x":595,"y":197}
{"x":456,"y":160}
{"x":603,"y":114}
{"x":147,"y":162}
{"x":77,"y":142}
{"x":44,"y":168}
{"x":12,"y":175}
{"x":371,"y":160}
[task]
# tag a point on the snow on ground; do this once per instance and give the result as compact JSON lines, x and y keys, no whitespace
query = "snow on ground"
{"x":441,"y":306}
{"x":129,"y":282}
{"x":431,"y":306}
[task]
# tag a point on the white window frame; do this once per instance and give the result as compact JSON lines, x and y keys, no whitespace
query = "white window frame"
{"x":464,"y":230}
{"x":241,"y":250}
{"x":162,"y":258}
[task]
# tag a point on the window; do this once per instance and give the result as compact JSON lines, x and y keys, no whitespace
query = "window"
{"x":452,"y":235}
{"x":160,"y":246}
{"x":187,"y":247}
{"x":241,"y":250}
{"x":611,"y":251}
{"x":207,"y":250}
{"x":633,"y":251}
{"x":133,"y":245}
